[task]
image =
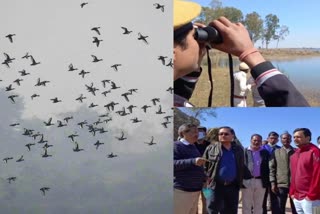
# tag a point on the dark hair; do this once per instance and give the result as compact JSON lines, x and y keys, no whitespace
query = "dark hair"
{"x":257,"y":135}
{"x":202,"y":128}
{"x":227,"y":127}
{"x":306,"y":132}
{"x":285,"y":133}
{"x":318,"y":138}
{"x":180,"y":35}
{"x":273,"y":134}
{"x":184,"y":128}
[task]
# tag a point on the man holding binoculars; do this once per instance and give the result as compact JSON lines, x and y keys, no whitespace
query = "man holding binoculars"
{"x":191,"y":39}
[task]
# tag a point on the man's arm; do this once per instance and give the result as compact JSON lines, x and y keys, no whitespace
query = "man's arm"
{"x":313,"y":193}
{"x":273,"y":172}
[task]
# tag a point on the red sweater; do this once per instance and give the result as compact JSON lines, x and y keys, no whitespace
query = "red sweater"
{"x":305,"y":173}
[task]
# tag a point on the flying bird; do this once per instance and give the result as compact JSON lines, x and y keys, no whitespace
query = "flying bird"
{"x":26,"y":56}
{"x":18,"y":81}
{"x":11,"y":179}
{"x":162,"y":59}
{"x":83,"y":73}
{"x":125,"y":95}
{"x":143,"y":38}
{"x":96,"y":41}
{"x":151,"y":142}
{"x":81,"y":98}
{"x":72,"y":136}
{"x":104,"y":82}
{"x":33,"y":62}
{"x":60,"y":124}
{"x":97,"y":144}
{"x":68,"y":118}
{"x":20,"y":159}
{"x":170,"y":90}
{"x":44,"y":189}
{"x":111,"y":155}
{"x":10,"y":37}
{"x":170,"y":63}
{"x":160,"y":111}
{"x":77,"y":148}
{"x":34,"y":96}
{"x":165,"y":124}
{"x":145,"y":108}
{"x":11,"y":97}
{"x":29,"y":146}
{"x":155,"y":100}
{"x":71,"y":68}
{"x":126,"y":31}
{"x":9,"y":88}
{"x":56,"y":100}
{"x":6,"y":159}
{"x":23,"y":73}
{"x":96,"y":29}
{"x":106,"y":92}
{"x":115,"y":66}
{"x":114,"y":86}
{"x":45,"y":155}
{"x":122,"y":136}
{"x":95,"y":59}
{"x":49,"y":123}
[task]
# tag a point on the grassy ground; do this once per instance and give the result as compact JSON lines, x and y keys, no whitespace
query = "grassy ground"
{"x":221,"y":84}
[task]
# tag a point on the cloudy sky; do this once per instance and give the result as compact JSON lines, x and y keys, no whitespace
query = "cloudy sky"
{"x":57,"y":34}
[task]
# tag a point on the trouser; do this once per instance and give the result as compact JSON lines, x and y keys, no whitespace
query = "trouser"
{"x":282,"y":196}
{"x":252,"y":196}
{"x":185,"y":202}
{"x":224,"y":200}
{"x":204,"y":204}
{"x":274,"y":203}
{"x":304,"y":206}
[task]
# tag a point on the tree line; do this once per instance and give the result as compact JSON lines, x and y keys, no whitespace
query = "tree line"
{"x":265,"y":30}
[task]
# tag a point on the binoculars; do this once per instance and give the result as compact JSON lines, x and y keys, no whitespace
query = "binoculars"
{"x":208,"y":35}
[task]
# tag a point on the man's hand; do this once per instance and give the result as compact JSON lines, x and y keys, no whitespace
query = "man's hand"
{"x":200,"y":161}
{"x":274,"y":189}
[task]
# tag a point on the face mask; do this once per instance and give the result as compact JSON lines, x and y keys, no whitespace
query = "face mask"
{"x":201,"y":135}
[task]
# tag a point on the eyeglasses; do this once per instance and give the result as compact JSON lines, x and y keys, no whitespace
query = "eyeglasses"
{"x":224,"y":133}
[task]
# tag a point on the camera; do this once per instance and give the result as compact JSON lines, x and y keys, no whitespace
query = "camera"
{"x":208,"y":34}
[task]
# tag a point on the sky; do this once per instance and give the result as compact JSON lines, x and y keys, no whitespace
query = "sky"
{"x":57,"y":34}
{"x":248,"y":121}
{"x":301,"y":18}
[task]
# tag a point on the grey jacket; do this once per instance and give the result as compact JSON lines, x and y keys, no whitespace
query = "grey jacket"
{"x":279,"y":167}
{"x":213,"y":153}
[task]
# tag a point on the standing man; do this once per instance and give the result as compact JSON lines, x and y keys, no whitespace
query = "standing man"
{"x":270,"y":199}
{"x":241,"y":87}
{"x":188,"y":171}
{"x":305,"y":173}
{"x":280,"y":173}
{"x":256,"y":176}
{"x":224,"y":170}
{"x":257,"y":99}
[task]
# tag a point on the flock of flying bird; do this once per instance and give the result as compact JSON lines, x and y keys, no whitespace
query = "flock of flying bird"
{"x":93,"y":89}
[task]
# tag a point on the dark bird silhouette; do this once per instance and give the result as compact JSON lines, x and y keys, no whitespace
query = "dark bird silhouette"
{"x":136,"y":120}
{"x":7,"y":60}
{"x":20,"y":159}
{"x":29,"y":146}
{"x":122,"y":136}
{"x":155,"y":100}
{"x":18,"y":81}
{"x":162,"y":59}
{"x":26,"y":56}
{"x":49,"y":123}
{"x":6,"y":159}
{"x":41,"y":83}
{"x":107,"y":120}
{"x":44,"y":189}
{"x":33,"y":62}
{"x":104,"y":82}
{"x":27,"y":132}
{"x":92,"y":89}
{"x":82,"y":123}
{"x":96,"y":29}
{"x":72,"y":136}
{"x":71,"y":68}
{"x":104,"y":115}
{"x":97,"y":144}
{"x":45,"y":146}
{"x":83,"y":4}
{"x":77,"y":148}
{"x":42,"y":140}
{"x":11,"y":179}
{"x":81,"y":98}
{"x":130,"y":107}
{"x":158,"y":6}
{"x":165,"y":124}
{"x":92,"y":105}
{"x":170,"y":89}
{"x":60,"y":124}
{"x":34,"y":96}
{"x":97,"y":122}
{"x":14,"y":124}
{"x":145,"y":108}
{"x":36,"y":135}
{"x":167,"y":117}
{"x":45,"y":155}
{"x":102,"y":130}
{"x":96,"y":41}
{"x":151,"y":142}
{"x":160,"y":111}
{"x":10,"y":37}
{"x":126,"y":31}
{"x":133,"y":90}
{"x":68,"y":118}
{"x":95,"y":59}
{"x":125,"y":95}
{"x":114,"y":86}
{"x":9,"y":88}
{"x":110,"y":106}
{"x":23,"y":73}
{"x":115,"y":66}
{"x":106,"y":92}
{"x":11,"y":97}
{"x":55,"y":100}
{"x":143,"y":38}
{"x":111,"y":155}
{"x":83,"y":73}
{"x":170,"y":63}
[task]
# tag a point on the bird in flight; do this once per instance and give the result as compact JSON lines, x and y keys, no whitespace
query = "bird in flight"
{"x":126,"y":31}
{"x":55,"y":100}
{"x":11,"y":97}
{"x":33,"y":63}
{"x":170,"y":63}
{"x":162,"y":59}
{"x":136,"y":120}
{"x":18,"y":81}
{"x":160,"y":111}
{"x":130,"y":107}
{"x":165,"y":124}
{"x":96,"y":29}
{"x":97,"y":41}
{"x":45,"y":155}
{"x":155,"y":100}
{"x":95,"y":59}
{"x":122,"y":136}
{"x":11,"y":179}
{"x":60,"y":124}
{"x":104,"y":82}
{"x":49,"y":123}
{"x":7,"y":60}
{"x":143,"y":38}
{"x":111,"y":155}
{"x":77,"y":148}
{"x":20,"y":159}
{"x":170,"y":90}
{"x":68,"y":118}
{"x":42,"y":139}
{"x":34,"y":96}
{"x":9,"y":88}
{"x":158,"y":6}
{"x":151,"y":142}
{"x":83,"y":73}
{"x":23,"y":73}
{"x":72,"y":136}
{"x":10,"y":37}
{"x":115,"y":66}
{"x":145,"y":108}
{"x":114,"y":86}
{"x":7,"y":158}
{"x":44,"y":189}
{"x":81,"y":98}
{"x":106,"y":92}
{"x":26,"y":56}
{"x":29,"y":146}
{"x":71,"y":68}
{"x":97,"y":144}
{"x":125,"y":95}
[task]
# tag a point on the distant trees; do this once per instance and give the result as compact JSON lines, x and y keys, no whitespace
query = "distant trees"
{"x":266,"y":30}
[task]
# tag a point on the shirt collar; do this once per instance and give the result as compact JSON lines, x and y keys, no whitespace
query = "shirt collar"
{"x":184,"y":141}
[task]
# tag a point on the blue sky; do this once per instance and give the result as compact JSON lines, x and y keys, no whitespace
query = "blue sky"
{"x":247,"y":121}
{"x":302,"y":18}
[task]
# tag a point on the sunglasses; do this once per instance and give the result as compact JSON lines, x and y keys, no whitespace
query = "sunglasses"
{"x":224,"y":133}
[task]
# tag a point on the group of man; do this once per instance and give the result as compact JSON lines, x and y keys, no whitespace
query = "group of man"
{"x":222,"y":167}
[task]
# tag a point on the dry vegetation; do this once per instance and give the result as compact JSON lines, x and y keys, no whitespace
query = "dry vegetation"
{"x":221,"y":84}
